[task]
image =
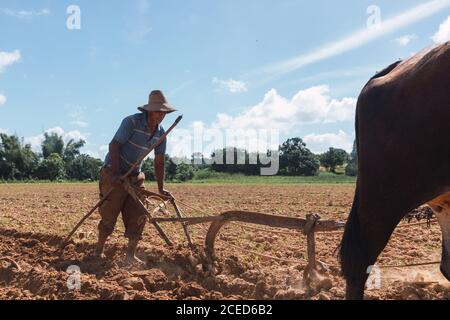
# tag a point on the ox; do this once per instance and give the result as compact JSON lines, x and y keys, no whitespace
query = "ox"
{"x":403,"y":143}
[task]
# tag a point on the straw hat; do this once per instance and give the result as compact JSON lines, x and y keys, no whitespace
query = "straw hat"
{"x":157,"y":102}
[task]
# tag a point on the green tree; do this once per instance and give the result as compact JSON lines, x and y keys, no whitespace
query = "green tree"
{"x":170,"y":168}
{"x":296,"y":159}
{"x":198,"y":160}
{"x":235,"y":160}
{"x":184,"y":172}
{"x":148,"y":169}
{"x":52,"y":144}
{"x":333,"y":158}
{"x":84,"y":167}
{"x":51,"y":168}
{"x":17,"y":161}
{"x":225,"y":160}
{"x":72,"y":150}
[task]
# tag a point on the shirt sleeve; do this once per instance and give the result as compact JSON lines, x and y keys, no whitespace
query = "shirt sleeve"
{"x":161,"y":149}
{"x":125,"y":131}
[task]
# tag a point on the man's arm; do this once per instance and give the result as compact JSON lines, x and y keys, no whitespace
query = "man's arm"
{"x":159,"y":172}
{"x":122,"y":135}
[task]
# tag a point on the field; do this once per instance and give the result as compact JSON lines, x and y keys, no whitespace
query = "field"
{"x":35,"y":217}
{"x":321,"y":178}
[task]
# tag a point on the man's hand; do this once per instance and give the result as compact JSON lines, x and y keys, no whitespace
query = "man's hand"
{"x":165,"y":193}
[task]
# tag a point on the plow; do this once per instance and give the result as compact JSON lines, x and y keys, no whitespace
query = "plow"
{"x":157,"y":203}
{"x":157,"y":208}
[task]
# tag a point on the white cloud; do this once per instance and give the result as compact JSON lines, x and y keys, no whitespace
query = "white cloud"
{"x":98,"y":154}
{"x":77,"y":114}
{"x":319,"y":143}
{"x":313,"y":105}
{"x":8,"y":58}
{"x":353,"y":73}
{"x":23,"y":14}
{"x":93,"y":154}
{"x":80,"y":123}
{"x":260,"y":127}
{"x":355,"y":40}
{"x":443,"y":34}
{"x":75,"y":134}
{"x":405,"y":40}
{"x":3,"y":130}
{"x":35,"y":141}
{"x":2,"y":99}
{"x":233,"y":86}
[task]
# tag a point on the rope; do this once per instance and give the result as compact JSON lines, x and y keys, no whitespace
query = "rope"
{"x":194,"y":208}
{"x":393,"y":266}
{"x":387,"y":266}
{"x":322,"y":232}
{"x":416,"y":224}
{"x":299,"y":233}
{"x":261,"y":254}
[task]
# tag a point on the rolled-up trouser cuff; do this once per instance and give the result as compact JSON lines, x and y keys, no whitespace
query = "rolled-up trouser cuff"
{"x":136,"y":233}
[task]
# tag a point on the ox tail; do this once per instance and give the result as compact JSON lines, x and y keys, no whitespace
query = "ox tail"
{"x":352,"y":253}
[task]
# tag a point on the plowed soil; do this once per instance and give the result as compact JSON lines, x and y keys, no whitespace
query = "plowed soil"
{"x":35,"y":218}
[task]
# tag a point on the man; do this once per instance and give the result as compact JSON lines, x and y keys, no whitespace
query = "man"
{"x":136,"y":134}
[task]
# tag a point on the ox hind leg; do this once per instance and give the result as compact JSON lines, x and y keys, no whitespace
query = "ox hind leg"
{"x":441,"y":207}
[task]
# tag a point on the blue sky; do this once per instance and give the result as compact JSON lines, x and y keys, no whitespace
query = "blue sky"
{"x":292,"y":66}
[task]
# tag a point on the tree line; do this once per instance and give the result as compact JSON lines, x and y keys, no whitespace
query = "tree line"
{"x":295,"y":159}
{"x":58,"y":161}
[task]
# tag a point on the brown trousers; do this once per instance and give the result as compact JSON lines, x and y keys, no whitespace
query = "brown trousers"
{"x":133,"y":214}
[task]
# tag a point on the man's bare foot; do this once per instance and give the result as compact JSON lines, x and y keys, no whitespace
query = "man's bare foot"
{"x":133,"y":260}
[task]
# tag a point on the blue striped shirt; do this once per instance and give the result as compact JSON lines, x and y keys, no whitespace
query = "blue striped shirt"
{"x":135,"y":138}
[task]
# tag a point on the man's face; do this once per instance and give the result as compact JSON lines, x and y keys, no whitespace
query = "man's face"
{"x":157,"y":117}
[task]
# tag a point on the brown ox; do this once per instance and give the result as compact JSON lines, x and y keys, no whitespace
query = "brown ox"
{"x":403,"y":139}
